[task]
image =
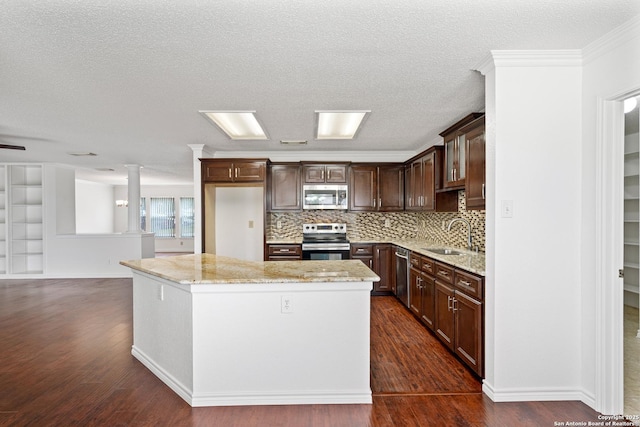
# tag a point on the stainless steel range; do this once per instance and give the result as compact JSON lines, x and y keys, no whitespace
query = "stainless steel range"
{"x":325,"y":241}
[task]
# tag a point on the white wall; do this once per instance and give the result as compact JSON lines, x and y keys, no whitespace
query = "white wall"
{"x":176,"y":191}
{"x":533,"y":159}
{"x":94,"y":207}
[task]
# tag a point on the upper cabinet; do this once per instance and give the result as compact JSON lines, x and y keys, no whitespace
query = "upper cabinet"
{"x":423,"y":184}
{"x":233,"y":170}
{"x":376,"y":188}
{"x":475,"y":187}
{"x":315,"y":173}
{"x":455,"y":152}
{"x":284,"y":188}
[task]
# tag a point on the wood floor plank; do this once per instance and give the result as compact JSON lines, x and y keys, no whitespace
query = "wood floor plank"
{"x":66,"y":360}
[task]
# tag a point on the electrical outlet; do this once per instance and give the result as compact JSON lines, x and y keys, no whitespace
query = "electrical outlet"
{"x":444,"y":225}
{"x":250,"y":224}
{"x":279,"y":225}
{"x":387,"y":222}
{"x":286,"y":304}
{"x":507,"y":209}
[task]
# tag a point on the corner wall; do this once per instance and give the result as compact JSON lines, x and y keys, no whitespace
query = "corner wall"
{"x":533,"y":267}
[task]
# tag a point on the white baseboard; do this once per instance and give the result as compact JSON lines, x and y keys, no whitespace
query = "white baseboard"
{"x":537,"y":394}
{"x":249,"y":398}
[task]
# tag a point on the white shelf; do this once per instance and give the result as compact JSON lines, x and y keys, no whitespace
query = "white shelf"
{"x":631,"y":215}
{"x":23,"y":220}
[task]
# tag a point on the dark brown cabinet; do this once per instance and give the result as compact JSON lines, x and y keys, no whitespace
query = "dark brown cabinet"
{"x":444,"y":315}
{"x":379,"y":258}
{"x":422,"y":289}
{"x":423,"y":184}
{"x":284,"y":187}
{"x":475,"y":149}
{"x":325,"y":173}
{"x":376,"y":188}
{"x":455,"y":153}
{"x":284,"y":252}
{"x":383,"y":257}
{"x":233,"y":170}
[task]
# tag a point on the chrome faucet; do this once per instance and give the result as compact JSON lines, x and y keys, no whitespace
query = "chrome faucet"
{"x":468,"y":230}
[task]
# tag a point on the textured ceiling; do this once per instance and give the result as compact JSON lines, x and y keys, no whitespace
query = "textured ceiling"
{"x":125,"y":79}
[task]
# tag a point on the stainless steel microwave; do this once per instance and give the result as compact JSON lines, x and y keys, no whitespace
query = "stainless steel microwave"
{"x":327,"y":196}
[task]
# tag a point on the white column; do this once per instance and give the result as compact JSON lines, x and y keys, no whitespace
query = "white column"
{"x":133,"y":195}
{"x":198,"y":153}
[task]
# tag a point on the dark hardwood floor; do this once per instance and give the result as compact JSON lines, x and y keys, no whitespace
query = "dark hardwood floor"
{"x":65,"y":359}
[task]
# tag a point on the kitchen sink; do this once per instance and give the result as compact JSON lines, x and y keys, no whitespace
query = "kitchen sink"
{"x":444,"y":251}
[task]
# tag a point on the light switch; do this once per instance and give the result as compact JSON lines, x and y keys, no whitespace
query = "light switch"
{"x":507,"y":209}
{"x":250,"y":224}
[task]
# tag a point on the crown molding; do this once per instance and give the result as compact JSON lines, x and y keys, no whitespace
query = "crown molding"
{"x":329,"y":156}
{"x":628,"y":31}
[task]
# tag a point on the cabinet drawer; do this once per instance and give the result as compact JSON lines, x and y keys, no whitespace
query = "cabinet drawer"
{"x":469,"y":284}
{"x":285,"y":250}
{"x":444,"y":272}
{"x":360,"y":249}
{"x":415,"y":261}
{"x":429,"y":266}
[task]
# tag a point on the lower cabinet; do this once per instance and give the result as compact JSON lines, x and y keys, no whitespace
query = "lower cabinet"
{"x":422,"y":288}
{"x":450,"y":302}
{"x":379,"y":258}
{"x":284,"y":252}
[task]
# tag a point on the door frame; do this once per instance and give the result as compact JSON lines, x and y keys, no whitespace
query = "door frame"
{"x":609,"y":293}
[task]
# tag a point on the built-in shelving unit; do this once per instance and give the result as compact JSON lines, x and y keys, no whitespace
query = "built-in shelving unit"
{"x":23,"y":227}
{"x":632,"y":218}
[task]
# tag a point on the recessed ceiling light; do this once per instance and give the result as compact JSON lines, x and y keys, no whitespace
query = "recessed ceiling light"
{"x":87,"y":154}
{"x":339,"y":124}
{"x":238,"y":125}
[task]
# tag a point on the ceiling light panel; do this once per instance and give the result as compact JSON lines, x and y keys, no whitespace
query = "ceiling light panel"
{"x":339,"y":124}
{"x":238,"y":125}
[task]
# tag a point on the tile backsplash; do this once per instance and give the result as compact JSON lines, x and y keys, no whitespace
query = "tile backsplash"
{"x":372,"y":226}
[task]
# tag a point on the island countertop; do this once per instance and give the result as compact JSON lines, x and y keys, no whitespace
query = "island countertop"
{"x":214,"y":269}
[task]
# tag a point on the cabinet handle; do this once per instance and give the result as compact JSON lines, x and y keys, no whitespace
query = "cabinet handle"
{"x":236,"y":172}
{"x":419,"y":282}
{"x":483,"y":192}
{"x":443,"y":273}
{"x":454,"y":304}
{"x":465,"y":283}
{"x":449,"y":303}
{"x":229,"y":173}
{"x":379,"y":202}
{"x":284,"y":250}
{"x":322,"y":174}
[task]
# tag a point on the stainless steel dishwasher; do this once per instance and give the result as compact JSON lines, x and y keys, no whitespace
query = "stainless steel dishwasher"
{"x":402,"y":275}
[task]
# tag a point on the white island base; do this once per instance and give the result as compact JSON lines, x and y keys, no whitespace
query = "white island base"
{"x":220,"y":344}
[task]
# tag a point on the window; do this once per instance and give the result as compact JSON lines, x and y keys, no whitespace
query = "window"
{"x":162,"y":216}
{"x":186,"y":216}
{"x":143,"y":213}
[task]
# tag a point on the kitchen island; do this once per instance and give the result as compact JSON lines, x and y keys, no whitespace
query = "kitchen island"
{"x":221,"y":331}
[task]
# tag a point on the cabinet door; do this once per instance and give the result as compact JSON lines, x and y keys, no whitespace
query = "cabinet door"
{"x":413,"y":185}
{"x":444,"y":316}
{"x":363,"y":191}
{"x":454,"y":155}
{"x":475,"y":183}
{"x":391,"y":188}
{"x":285,"y":191}
{"x":428,"y":301}
{"x":336,"y":174}
{"x":313,"y":174}
{"x":429,"y":182}
{"x":217,"y":172}
{"x":415,"y":292}
{"x":248,"y":171}
{"x":468,"y":331}
{"x":382,"y":266}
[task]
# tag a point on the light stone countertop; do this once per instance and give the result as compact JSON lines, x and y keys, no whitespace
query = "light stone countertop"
{"x":214,"y":269}
{"x":469,"y":261}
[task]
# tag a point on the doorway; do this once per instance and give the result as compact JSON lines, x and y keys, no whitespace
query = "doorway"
{"x":631,"y":258}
